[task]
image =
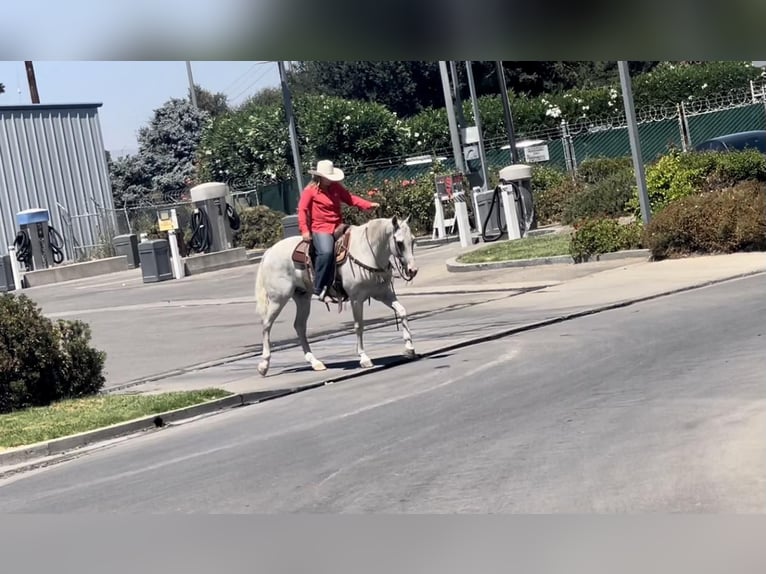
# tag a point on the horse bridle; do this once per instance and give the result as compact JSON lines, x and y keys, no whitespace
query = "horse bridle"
{"x":399,"y":253}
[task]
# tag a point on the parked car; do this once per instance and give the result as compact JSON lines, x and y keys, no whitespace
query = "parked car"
{"x":755,"y":139}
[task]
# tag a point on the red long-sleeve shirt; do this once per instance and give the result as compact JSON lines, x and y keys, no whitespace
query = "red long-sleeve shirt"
{"x":320,"y":211}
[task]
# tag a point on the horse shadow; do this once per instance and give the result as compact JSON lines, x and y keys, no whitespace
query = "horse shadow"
{"x":347,"y":365}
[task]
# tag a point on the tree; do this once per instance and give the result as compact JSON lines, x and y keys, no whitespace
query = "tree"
{"x":409,"y":87}
{"x":404,"y":87}
{"x":165,"y":164}
{"x":2,"y":88}
{"x":263,"y":97}
{"x":214,"y":104}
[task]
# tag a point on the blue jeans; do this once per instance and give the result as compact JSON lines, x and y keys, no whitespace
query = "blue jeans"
{"x":324,"y":245}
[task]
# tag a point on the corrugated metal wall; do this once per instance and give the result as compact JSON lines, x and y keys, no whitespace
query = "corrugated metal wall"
{"x":53,"y":157}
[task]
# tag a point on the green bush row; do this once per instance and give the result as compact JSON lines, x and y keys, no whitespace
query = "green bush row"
{"x":42,"y":361}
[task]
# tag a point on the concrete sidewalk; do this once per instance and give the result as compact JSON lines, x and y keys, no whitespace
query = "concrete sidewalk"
{"x":438,"y":332}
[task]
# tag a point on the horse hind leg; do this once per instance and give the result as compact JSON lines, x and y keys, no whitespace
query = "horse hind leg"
{"x":273,"y":310}
{"x":302,"y":311}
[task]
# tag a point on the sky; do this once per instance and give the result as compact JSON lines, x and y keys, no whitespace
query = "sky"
{"x":130,"y":91}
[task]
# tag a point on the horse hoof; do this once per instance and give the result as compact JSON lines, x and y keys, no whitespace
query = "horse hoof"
{"x":318,"y":366}
{"x":409,"y":353}
{"x":263,"y":368}
{"x":366,"y":364}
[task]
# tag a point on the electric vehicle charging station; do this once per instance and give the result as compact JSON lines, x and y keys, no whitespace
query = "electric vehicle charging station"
{"x":214,"y":219}
{"x":511,"y":202}
{"x":34,"y":244}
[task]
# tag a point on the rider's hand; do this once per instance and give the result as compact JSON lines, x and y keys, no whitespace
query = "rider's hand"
{"x":373,"y":205}
{"x":307,"y":236}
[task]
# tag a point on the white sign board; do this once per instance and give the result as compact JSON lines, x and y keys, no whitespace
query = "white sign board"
{"x":536,"y":153}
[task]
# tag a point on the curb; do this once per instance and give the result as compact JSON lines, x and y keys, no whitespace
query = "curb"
{"x":455,"y":267}
{"x":61,"y":445}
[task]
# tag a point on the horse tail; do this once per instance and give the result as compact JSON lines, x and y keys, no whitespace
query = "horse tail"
{"x":261,"y":294}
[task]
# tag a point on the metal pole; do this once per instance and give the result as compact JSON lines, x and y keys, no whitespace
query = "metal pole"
{"x":192,"y":90}
{"x":291,"y":125}
{"x":635,"y":144}
{"x":477,"y":123}
{"x":454,"y":134}
{"x":507,"y":111}
{"x":32,"y":80}
{"x":459,"y":115}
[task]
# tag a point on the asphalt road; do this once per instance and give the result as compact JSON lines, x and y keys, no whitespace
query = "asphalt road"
{"x":657,"y":407}
{"x":149,"y":329}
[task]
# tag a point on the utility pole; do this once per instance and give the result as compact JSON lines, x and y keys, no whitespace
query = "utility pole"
{"x":454,"y":134}
{"x":32,"y":82}
{"x":507,"y":111}
{"x":477,"y":123}
{"x":291,"y":125}
{"x":635,"y":143}
{"x":192,"y":90}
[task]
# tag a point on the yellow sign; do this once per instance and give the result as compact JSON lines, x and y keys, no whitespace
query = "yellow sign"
{"x":167,"y":220}
{"x":167,"y":225}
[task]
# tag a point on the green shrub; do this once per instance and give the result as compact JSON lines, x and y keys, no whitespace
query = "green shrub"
{"x":42,"y":361}
{"x":551,"y":203}
{"x":607,"y":197}
{"x":407,"y":198}
{"x":722,"y":221}
{"x":596,"y":169}
{"x":598,"y":236}
{"x":259,"y":227}
{"x":678,"y":174}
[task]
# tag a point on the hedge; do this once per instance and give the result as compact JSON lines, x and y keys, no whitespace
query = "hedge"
{"x":713,"y":222}
{"x":42,"y":361}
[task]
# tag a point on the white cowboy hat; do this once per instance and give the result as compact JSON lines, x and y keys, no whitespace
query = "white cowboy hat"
{"x":326,"y":169}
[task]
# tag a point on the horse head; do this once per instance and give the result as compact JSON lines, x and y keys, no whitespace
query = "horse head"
{"x":403,"y":247}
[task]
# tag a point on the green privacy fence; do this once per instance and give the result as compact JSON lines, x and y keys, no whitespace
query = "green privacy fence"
{"x":706,"y":125}
{"x":660,"y":129}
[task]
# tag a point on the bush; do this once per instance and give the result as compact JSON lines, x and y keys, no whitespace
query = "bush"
{"x":408,"y":198}
{"x":681,"y":174}
{"x":42,"y":361}
{"x":551,"y":203}
{"x":598,"y":236}
{"x":607,"y":197}
{"x":722,"y":221}
{"x":260,"y":227}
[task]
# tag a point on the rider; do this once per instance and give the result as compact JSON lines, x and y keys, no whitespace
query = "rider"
{"x":319,"y":215}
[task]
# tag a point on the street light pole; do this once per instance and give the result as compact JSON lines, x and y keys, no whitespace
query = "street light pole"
{"x":635,"y":143}
{"x":191,"y":84}
{"x":291,"y":125}
{"x":507,"y":111}
{"x":453,"y":129}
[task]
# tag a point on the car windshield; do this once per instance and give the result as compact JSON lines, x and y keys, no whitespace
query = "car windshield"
{"x":749,"y":142}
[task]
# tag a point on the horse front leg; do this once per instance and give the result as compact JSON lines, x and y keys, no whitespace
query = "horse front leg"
{"x":389,"y":300}
{"x":357,"y":308}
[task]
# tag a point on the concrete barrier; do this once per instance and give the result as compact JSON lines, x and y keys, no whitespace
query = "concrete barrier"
{"x":74,"y":271}
{"x":207,"y":262}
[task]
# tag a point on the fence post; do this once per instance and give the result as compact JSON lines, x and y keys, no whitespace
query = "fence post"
{"x":682,"y":127}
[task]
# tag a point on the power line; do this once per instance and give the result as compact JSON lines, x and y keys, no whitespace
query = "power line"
{"x":243,"y":75}
{"x":252,"y":84}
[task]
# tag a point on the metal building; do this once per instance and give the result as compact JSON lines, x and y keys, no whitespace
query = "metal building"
{"x":53,"y":157}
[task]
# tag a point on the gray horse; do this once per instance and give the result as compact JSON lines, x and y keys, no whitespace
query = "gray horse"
{"x":373,"y":249}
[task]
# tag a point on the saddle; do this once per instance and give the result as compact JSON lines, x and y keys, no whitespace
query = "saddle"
{"x":304,"y":254}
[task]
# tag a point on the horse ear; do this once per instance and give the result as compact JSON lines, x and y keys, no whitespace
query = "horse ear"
{"x":395,"y":222}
